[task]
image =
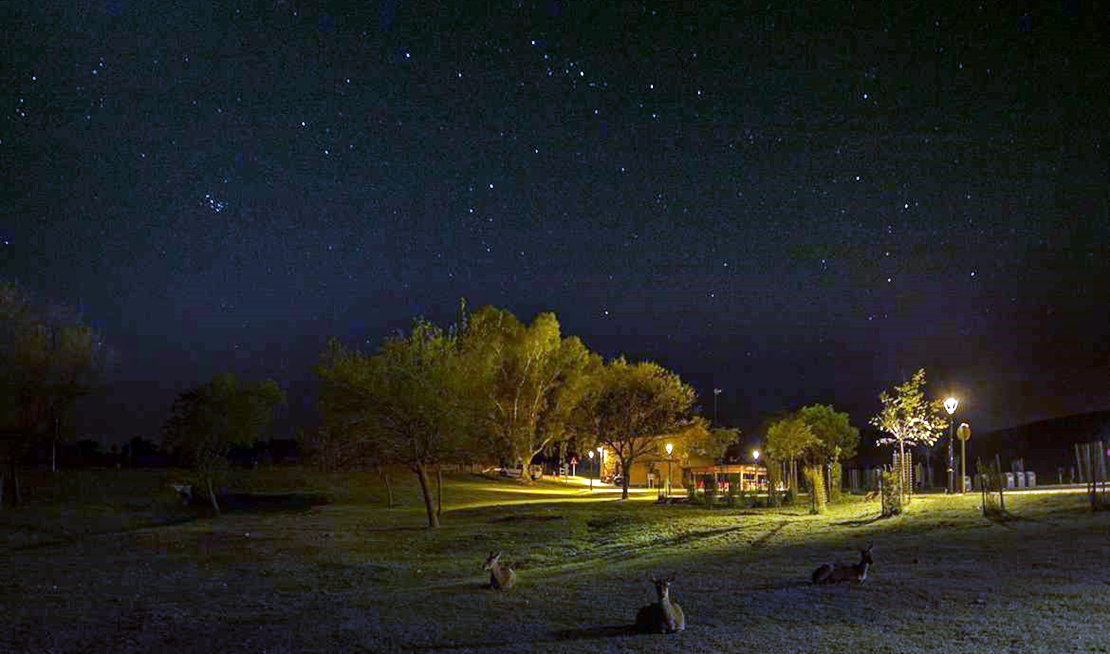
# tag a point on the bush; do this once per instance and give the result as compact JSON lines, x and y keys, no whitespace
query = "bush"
{"x":990,"y":477}
{"x":836,"y":478}
{"x":710,"y":491}
{"x":816,"y":476}
{"x":891,"y":493}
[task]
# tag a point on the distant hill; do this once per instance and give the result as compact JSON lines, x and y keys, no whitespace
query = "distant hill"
{"x":1046,"y":445}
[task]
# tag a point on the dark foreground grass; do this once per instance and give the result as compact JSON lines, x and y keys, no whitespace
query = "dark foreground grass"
{"x":127,"y":569}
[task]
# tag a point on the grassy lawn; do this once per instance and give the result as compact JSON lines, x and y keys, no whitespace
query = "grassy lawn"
{"x":127,"y":569}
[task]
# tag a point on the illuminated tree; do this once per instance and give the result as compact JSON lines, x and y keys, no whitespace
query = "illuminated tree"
{"x":910,"y":418}
{"x":527,"y":380}
{"x":787,"y":440}
{"x":632,"y":408}
{"x":836,"y":439}
{"x":408,"y":401}
{"x":712,"y":443}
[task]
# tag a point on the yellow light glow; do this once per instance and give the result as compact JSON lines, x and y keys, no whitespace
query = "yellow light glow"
{"x":669,"y":448}
{"x":950,"y":405}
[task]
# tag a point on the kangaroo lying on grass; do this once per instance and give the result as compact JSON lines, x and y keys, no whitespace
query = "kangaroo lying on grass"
{"x":664,"y":616}
{"x":501,"y":577}
{"x":834,"y":573}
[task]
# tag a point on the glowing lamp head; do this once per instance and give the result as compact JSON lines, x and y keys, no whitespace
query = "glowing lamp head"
{"x":755,"y":454}
{"x":950,"y":405}
{"x":669,"y":448}
{"x":591,"y":454}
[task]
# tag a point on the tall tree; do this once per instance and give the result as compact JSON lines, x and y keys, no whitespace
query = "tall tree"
{"x":910,"y":418}
{"x":788,"y":440}
{"x":531,"y":378}
{"x":207,"y":421}
{"x":713,"y":443}
{"x":48,"y":359}
{"x":836,"y":440}
{"x":632,"y":408}
{"x":408,"y":401}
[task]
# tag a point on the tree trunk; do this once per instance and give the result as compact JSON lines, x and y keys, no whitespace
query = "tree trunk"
{"x":816,"y":474}
{"x":388,"y":488}
{"x":15,"y":483}
{"x":525,"y":476}
{"x":212,"y":496}
{"x":532,"y":457}
{"x":625,"y":467}
{"x":1001,"y":495}
{"x":439,"y":491}
{"x":774,"y":474}
{"x":901,"y":472}
{"x":429,"y":504}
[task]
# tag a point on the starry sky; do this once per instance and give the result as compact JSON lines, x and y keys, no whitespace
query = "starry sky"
{"x":793,"y":202}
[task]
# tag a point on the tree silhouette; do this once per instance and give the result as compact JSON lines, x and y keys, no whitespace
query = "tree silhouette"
{"x":48,"y":359}
{"x":207,"y":421}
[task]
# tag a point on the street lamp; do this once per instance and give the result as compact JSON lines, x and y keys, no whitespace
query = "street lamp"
{"x":591,"y":476}
{"x":669,"y":448}
{"x":964,"y":432}
{"x":950,"y":406}
{"x":716,"y":392}
{"x":755,"y":459}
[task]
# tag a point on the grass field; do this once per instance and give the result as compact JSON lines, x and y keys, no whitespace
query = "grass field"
{"x":110,"y":562}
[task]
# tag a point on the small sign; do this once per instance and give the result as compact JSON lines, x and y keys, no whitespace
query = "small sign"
{"x":964,"y":432}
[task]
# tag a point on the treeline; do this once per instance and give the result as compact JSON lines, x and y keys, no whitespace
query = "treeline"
{"x":492,"y":388}
{"x":487,"y":389}
{"x":139,"y":452}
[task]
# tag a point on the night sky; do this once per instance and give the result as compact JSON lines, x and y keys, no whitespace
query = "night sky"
{"x":792,"y":202}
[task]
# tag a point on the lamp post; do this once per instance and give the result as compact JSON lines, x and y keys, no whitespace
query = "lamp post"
{"x":716,"y":392}
{"x":950,"y":406}
{"x":591,"y":476}
{"x":964,"y":432}
{"x":755,"y":459}
{"x":669,"y":448}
